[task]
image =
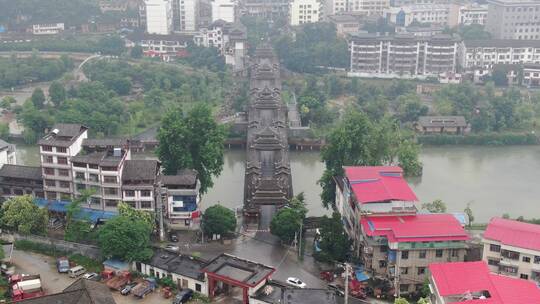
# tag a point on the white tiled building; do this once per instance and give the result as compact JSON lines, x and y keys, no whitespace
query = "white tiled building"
{"x":185,"y":15}
{"x":305,"y":11}
{"x":486,"y":53}
{"x":224,"y":10}
{"x":473,"y":14}
{"x":159,"y":17}
{"x":47,"y":29}
{"x":435,"y":14}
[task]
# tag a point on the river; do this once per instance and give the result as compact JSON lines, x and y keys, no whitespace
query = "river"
{"x":495,"y":180}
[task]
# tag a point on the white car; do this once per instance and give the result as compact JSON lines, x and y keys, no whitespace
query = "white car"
{"x":90,"y":276}
{"x":296,"y":282}
{"x":172,"y":247}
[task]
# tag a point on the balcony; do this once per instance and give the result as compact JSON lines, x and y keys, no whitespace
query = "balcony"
{"x":433,"y":245}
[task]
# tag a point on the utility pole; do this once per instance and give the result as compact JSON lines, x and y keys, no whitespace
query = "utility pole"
{"x":160,"y":210}
{"x":346,"y":283}
{"x":300,"y":240}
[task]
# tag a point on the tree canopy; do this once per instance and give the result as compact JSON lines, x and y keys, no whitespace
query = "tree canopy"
{"x":19,"y":71}
{"x":437,"y":206}
{"x":192,"y":140}
{"x":126,"y":239}
{"x":288,"y":220}
{"x":334,"y":243}
{"x":57,"y":93}
{"x":218,"y":220}
{"x":137,"y":215}
{"x":22,"y":215}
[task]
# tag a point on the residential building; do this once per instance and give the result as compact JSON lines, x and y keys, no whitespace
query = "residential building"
{"x":369,"y":7}
{"x":396,"y":3}
{"x":345,"y":24}
{"x":139,"y":180}
{"x":402,"y":55}
{"x":229,"y":38}
{"x":484,"y":54}
{"x":185,"y":15}
{"x":531,"y":75}
{"x":184,"y":270}
{"x":420,"y":31}
{"x":335,"y":7}
{"x":512,"y":248}
{"x":99,"y":167}
{"x":159,"y":16}
{"x":56,"y":150}
{"x":181,"y":194}
{"x":305,"y":11}
{"x":268,"y":9}
{"x":165,"y":47}
{"x":435,"y":14}
{"x":81,"y":291}
{"x":513,"y":19}
{"x":17,"y":180}
{"x":441,"y":124}
{"x":113,"y":6}
{"x":472,"y":14}
{"x":8,"y":153}
{"x":47,"y":28}
{"x":471,"y":282}
{"x":224,"y":10}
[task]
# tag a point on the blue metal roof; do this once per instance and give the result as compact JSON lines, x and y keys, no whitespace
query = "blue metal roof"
{"x":116,"y":264}
{"x":92,"y":215}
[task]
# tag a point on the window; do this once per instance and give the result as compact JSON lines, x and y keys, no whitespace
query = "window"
{"x":404,"y":255}
{"x":454,"y":253}
{"x":48,"y":171}
{"x":146,"y":193}
{"x":46,"y":148}
{"x":62,"y":160}
{"x":92,"y":166}
{"x":111,"y":191}
{"x":6,"y":191}
{"x":508,"y":269}
{"x":537,"y":259}
{"x":48,"y":159}
{"x":146,"y":205}
{"x":403,"y":270}
{"x":198,"y":287}
{"x":61,"y":150}
{"x":64,"y":184}
{"x":439,"y":253}
{"x":132,"y":204}
{"x":79,"y":165}
{"x":384,"y":248}
{"x":95,"y":201}
{"x":129,"y":193}
{"x":524,"y":276}
{"x":109,"y":179}
{"x":495,"y":248}
{"x":50,"y":183}
{"x":404,"y":287}
{"x":63,"y":172}
{"x":18,"y":192}
{"x":93,"y":178}
{"x":111,"y":203}
{"x":493,"y":262}
{"x":526,"y":259}
{"x":80,"y":187}
{"x":510,"y":254}
{"x":79,"y":175}
{"x":422,"y":254}
{"x":421,"y":270}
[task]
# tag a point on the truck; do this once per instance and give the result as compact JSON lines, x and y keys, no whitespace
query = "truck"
{"x":145,"y":287}
{"x":62,"y":265}
{"x":26,"y":287}
{"x":119,"y":281}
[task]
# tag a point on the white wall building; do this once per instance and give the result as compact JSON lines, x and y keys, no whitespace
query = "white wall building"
{"x":486,"y":53}
{"x":224,"y":10}
{"x":159,"y":17}
{"x":513,"y":19}
{"x":435,"y":14}
{"x":185,"y":15}
{"x":7,"y":154}
{"x":473,"y":14}
{"x":305,"y":11}
{"x":47,"y":29}
{"x":370,"y":7}
{"x":333,"y":7}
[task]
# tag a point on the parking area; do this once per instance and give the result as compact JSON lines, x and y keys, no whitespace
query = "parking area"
{"x":54,"y":282}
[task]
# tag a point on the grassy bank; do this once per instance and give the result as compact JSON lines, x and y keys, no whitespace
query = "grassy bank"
{"x":488,"y":139}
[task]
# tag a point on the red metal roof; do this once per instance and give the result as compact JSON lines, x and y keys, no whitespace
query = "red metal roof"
{"x":415,"y":228}
{"x":514,"y":233}
{"x":379,"y":184}
{"x":460,"y":278}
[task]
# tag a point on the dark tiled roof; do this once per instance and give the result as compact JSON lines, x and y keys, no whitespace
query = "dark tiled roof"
{"x":139,"y":36}
{"x":18,"y":171}
{"x":80,"y":292}
{"x":403,"y":37}
{"x":3,"y":144}
{"x":105,"y":142}
{"x":442,"y":121}
{"x":240,"y":270}
{"x":140,"y":170}
{"x":65,"y":135}
{"x":92,"y":158}
{"x":339,"y":18}
{"x":180,"y":264}
{"x":308,"y":296}
{"x":516,"y":43}
{"x":182,"y":178}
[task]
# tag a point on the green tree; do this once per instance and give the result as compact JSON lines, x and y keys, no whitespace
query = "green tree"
{"x":407,"y":155}
{"x":137,"y":215}
{"x":57,"y":93}
{"x":218,"y":220}
{"x":410,"y":108}
{"x":137,"y":52}
{"x":468,"y":211}
{"x":126,"y":239}
{"x":4,"y":131}
{"x":112,"y":45}
{"x":499,"y":77}
{"x":22,"y":215}
{"x":192,"y":140}
{"x":437,"y":206}
{"x":334,"y":243}
{"x":38,"y":98}
{"x":401,"y":301}
{"x":422,"y":301}
{"x":77,"y":228}
{"x":285,"y":224}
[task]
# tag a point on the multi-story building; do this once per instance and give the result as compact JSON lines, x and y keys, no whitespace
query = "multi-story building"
{"x":139,"y":180}
{"x":484,"y":54}
{"x":268,"y":9}
{"x":466,"y":282}
{"x":8,"y":153}
{"x":19,"y":180}
{"x":514,"y":19}
{"x":305,"y":11}
{"x":345,"y":24}
{"x":56,"y":150}
{"x":435,"y":14}
{"x":181,"y":194}
{"x":395,"y":243}
{"x":224,"y":10}
{"x":47,"y":29}
{"x":396,"y":3}
{"x":512,"y":248}
{"x":472,"y":14}
{"x":159,"y":16}
{"x":185,"y":15}
{"x":531,"y":75}
{"x":98,"y":168}
{"x":369,"y":7}
{"x":163,"y":46}
{"x":335,"y":7}
{"x":229,"y":38}
{"x":402,"y":56}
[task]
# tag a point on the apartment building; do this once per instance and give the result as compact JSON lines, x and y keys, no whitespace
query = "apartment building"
{"x":531,"y":75}
{"x":345,"y":24}
{"x":181,"y":194}
{"x":98,"y":167}
{"x":514,"y":19}
{"x":435,"y":14}
{"x":512,"y":248}
{"x":223,"y":10}
{"x":402,"y":55}
{"x":164,"y":46}
{"x":472,"y":14}
{"x":335,"y":7}
{"x":409,"y":2}
{"x":139,"y":180}
{"x":47,"y":28}
{"x":185,"y":15}
{"x":472,"y":282}
{"x":158,"y":15}
{"x":268,"y":9}
{"x":305,"y":11}
{"x":369,"y":7}
{"x":56,"y":150}
{"x":484,"y":54}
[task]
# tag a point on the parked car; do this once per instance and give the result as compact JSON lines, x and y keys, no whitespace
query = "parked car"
{"x":173,"y":237}
{"x":172,"y":247}
{"x":338,"y":290}
{"x":62,"y":264}
{"x":91,"y":276}
{"x":76,"y":271}
{"x":296,"y":282}
{"x":127,"y":289}
{"x":183,"y":296}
